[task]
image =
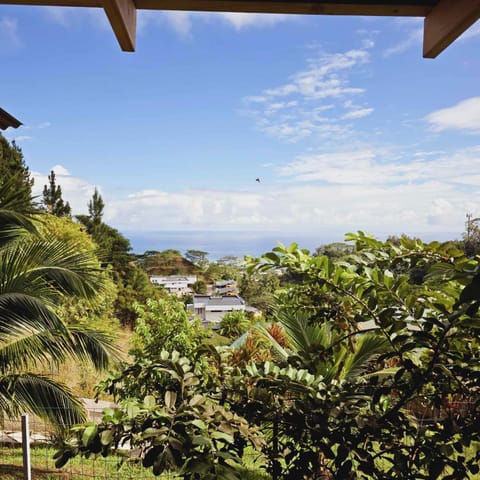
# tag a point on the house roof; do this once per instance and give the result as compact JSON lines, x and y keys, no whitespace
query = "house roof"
{"x":445,"y":20}
{"x":7,"y":120}
{"x":224,"y":283}
{"x":212,"y":301}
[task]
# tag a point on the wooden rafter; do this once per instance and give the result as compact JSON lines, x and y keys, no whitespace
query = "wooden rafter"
{"x":7,"y":120}
{"x":122,"y":15}
{"x":446,"y":22}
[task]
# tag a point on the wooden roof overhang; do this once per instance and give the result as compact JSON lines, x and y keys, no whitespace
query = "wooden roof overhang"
{"x":445,"y":20}
{"x":7,"y":120}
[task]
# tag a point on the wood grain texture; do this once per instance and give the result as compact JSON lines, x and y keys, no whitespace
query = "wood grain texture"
{"x":122,"y":15}
{"x":446,"y":22}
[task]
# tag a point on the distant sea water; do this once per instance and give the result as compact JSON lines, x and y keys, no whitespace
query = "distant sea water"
{"x":218,"y":244}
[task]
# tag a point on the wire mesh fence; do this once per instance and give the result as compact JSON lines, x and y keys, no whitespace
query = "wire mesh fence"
{"x":43,"y":440}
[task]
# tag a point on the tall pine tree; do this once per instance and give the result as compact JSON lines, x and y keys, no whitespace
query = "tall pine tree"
{"x":15,"y":174}
{"x":52,"y":199}
{"x":95,"y":208}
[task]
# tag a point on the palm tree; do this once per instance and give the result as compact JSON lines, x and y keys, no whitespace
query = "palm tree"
{"x":322,"y":350}
{"x":35,"y":274}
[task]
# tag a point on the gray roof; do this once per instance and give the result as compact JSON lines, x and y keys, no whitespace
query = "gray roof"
{"x":228,"y":300}
{"x":224,"y":283}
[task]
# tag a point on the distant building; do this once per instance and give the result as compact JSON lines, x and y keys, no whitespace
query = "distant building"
{"x":178,"y":285}
{"x":226,"y":287}
{"x":211,"y":309}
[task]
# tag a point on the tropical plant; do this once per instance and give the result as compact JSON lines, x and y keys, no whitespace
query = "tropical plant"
{"x":178,"y":429}
{"x":35,"y":273}
{"x":233,"y":324}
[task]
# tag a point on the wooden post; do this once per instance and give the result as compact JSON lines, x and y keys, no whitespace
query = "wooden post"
{"x":27,"y":468}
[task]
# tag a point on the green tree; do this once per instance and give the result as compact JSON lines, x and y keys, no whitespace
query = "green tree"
{"x":334,"y":250}
{"x":133,"y":287}
{"x":15,"y":173}
{"x":95,"y":208}
{"x":234,"y":324}
{"x":471,"y":236}
{"x":258,"y":289}
{"x":200,"y":287}
{"x":167,"y":262}
{"x":98,"y":311}
{"x":165,"y":325}
{"x":52,"y":199}
{"x":114,"y":250}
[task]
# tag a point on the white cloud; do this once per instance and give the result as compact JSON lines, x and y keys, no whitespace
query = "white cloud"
{"x":245,"y":20}
{"x":75,"y":190}
{"x":370,"y":167}
{"x":359,"y":113}
{"x":309,"y":103}
{"x":465,"y":115}
{"x":426,"y":206}
{"x":473,"y":31}
{"x":70,"y":17}
{"x":414,"y":38}
{"x":361,"y":189}
{"x":182,"y":22}
{"x":9,"y":36}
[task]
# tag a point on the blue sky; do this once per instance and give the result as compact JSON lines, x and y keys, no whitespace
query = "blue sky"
{"x":344,"y":122}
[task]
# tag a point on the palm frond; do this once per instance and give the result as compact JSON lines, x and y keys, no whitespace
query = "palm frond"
{"x":94,"y":346}
{"x":41,"y":396}
{"x":368,"y":346}
{"x":303,"y":336}
{"x":48,"y":268}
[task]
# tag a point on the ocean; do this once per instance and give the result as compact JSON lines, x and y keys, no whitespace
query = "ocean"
{"x":219,"y":244}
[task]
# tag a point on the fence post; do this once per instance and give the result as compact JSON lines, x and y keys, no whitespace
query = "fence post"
{"x":27,"y":469}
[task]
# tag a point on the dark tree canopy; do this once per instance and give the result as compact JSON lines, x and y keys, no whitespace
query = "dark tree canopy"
{"x":95,"y":208}
{"x":14,"y":171}
{"x":52,"y":198}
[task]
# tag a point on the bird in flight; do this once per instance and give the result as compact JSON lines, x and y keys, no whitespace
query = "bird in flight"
{"x":257,"y":180}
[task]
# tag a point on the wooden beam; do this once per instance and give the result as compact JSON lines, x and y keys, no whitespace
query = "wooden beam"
{"x":7,"y":120}
{"x":55,"y":3}
{"x":407,"y":8}
{"x":446,"y":22}
{"x":123,"y":18}
{"x":415,"y":8}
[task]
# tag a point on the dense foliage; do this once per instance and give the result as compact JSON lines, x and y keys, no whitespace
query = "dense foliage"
{"x":15,"y":174}
{"x":370,"y":375}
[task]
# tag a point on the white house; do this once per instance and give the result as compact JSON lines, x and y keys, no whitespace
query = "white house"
{"x":226,"y":287}
{"x":211,"y":309}
{"x":176,"y":284}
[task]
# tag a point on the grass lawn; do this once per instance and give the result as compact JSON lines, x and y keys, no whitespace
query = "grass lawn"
{"x":43,"y":468}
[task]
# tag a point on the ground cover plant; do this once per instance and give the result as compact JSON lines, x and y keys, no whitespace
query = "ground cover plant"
{"x":376,"y":376}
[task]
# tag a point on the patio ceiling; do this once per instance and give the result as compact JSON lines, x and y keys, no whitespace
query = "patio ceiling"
{"x":6,"y":120}
{"x":445,"y":20}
